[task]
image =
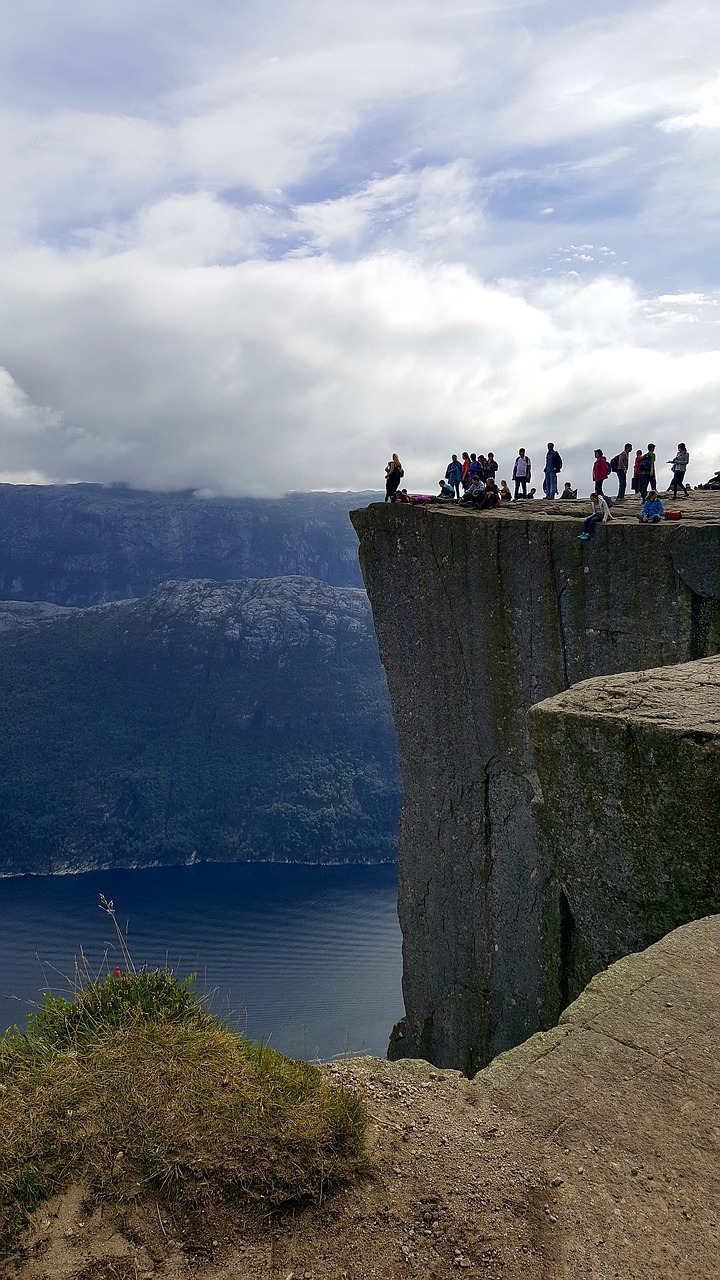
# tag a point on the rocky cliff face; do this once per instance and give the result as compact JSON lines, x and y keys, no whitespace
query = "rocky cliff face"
{"x":83,"y":544}
{"x":629,"y":769}
{"x":478,"y":617}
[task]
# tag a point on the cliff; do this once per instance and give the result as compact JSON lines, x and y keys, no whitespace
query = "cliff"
{"x":82,"y":544}
{"x":478,"y":617}
{"x":629,"y":770}
{"x":220,"y":721}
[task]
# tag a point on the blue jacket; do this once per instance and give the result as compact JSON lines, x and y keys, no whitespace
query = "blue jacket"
{"x":454,"y":472}
{"x":653,"y":508}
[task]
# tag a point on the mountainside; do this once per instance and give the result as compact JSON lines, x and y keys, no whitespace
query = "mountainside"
{"x":222,"y":721}
{"x":86,"y":543}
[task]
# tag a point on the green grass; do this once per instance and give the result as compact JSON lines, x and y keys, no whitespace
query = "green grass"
{"x":134,"y":1088}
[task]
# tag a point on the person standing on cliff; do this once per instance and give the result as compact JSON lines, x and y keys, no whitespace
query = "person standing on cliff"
{"x":453,"y":475}
{"x":680,"y":464}
{"x":623,"y":462}
{"x":553,"y":465}
{"x":601,"y":470}
{"x":465,"y":472}
{"x":647,"y":471}
{"x":521,"y":473}
{"x":393,"y":475}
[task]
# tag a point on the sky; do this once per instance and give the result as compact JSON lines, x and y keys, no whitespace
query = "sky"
{"x":254,"y":248}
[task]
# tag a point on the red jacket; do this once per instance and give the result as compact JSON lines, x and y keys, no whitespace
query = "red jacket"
{"x":601,"y":469}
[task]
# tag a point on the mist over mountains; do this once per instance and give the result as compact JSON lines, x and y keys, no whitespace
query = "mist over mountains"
{"x":86,"y":543}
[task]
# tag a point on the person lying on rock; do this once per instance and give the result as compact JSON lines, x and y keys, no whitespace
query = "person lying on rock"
{"x":599,"y":514}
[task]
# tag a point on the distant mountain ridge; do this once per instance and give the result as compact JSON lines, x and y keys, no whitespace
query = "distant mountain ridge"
{"x":83,"y":544}
{"x":234,"y":721}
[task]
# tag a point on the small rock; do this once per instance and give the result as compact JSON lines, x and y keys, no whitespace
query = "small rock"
{"x":558,"y":1182}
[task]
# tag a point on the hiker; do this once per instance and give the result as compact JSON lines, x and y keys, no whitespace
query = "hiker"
{"x":568,"y":492}
{"x":393,"y":475}
{"x":679,"y":466}
{"x":599,"y":513}
{"x":491,"y":469}
{"x":446,"y":490}
{"x":521,"y":473}
{"x":601,"y":470}
{"x":646,"y":478}
{"x":505,"y":494}
{"x":465,"y":476}
{"x":553,"y":464}
{"x":651,"y":455}
{"x":474,"y":469}
{"x":490,"y":499}
{"x":622,"y":462}
{"x":652,"y":509}
{"x":474,"y":491}
{"x":635,"y":482}
{"x":453,"y":475}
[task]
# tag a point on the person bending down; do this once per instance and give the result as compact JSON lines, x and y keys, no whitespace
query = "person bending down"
{"x":599,"y":513}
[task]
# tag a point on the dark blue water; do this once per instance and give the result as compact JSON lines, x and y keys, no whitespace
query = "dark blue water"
{"x":306,"y":958}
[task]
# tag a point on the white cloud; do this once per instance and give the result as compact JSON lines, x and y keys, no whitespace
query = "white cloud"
{"x":298,"y":374}
{"x":255,"y":247}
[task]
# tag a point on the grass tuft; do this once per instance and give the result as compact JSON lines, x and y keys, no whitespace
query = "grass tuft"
{"x":134,"y":1087}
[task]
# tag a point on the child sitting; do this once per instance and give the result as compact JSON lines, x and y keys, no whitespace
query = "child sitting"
{"x":652,"y":509}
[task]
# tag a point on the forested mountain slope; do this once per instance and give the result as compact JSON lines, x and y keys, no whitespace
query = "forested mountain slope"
{"x":223,"y":721}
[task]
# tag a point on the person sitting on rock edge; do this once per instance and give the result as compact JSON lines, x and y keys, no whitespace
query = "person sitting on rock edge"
{"x":599,"y":513}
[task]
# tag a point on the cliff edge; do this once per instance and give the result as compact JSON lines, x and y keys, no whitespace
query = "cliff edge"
{"x":478,"y":617}
{"x":589,"y":1151}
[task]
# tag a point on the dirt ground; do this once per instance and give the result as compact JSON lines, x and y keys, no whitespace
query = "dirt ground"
{"x":454,"y":1193}
{"x":592,"y":1150}
{"x":458,"y":1190}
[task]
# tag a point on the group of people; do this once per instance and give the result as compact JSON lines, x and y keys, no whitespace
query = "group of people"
{"x":472,"y":479}
{"x":643,"y":478}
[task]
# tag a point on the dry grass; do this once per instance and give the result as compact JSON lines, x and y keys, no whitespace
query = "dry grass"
{"x":135,"y":1087}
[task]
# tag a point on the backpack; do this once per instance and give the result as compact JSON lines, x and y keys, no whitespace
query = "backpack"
{"x":645,"y":463}
{"x":557,"y":461}
{"x":614,"y":462}
{"x":402,"y":473}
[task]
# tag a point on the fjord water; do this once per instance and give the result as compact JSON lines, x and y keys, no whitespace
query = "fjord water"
{"x":305,"y":957}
